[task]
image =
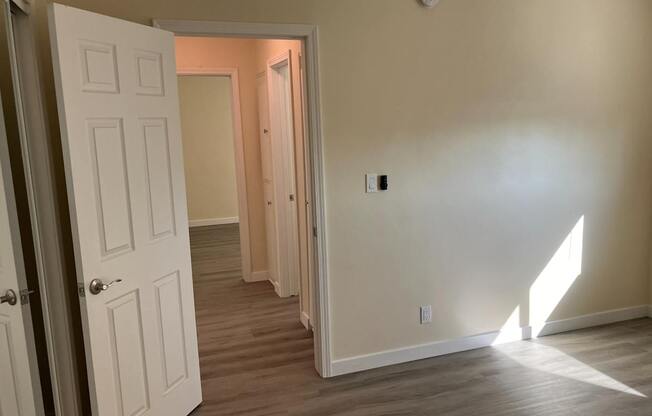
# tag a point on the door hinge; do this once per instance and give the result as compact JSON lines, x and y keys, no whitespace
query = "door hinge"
{"x":81,"y":290}
{"x":314,"y":231}
{"x":24,"y":296}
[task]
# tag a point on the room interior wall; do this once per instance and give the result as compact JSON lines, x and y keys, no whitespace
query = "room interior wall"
{"x":208,"y":148}
{"x":267,"y":49}
{"x":194,"y":53}
{"x":502,"y":125}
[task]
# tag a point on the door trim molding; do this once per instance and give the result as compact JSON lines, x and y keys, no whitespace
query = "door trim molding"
{"x":22,"y":351}
{"x":238,"y":147}
{"x":309,"y":35}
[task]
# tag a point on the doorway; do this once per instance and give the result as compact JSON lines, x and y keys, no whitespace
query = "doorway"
{"x":263,"y":304}
{"x":270,"y":165}
{"x":215,"y":189}
{"x":214,"y":160}
{"x":281,"y":153}
{"x":243,"y":132}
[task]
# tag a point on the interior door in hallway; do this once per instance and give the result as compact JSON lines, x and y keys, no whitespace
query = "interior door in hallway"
{"x":268,"y":177}
{"x":20,"y":390}
{"x":119,"y":116}
{"x":279,"y":76}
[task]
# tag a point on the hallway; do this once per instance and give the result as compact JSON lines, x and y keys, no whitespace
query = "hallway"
{"x":254,"y":352}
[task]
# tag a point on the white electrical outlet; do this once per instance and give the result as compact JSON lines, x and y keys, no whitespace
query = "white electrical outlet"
{"x":426,"y":314}
{"x":372,"y":183}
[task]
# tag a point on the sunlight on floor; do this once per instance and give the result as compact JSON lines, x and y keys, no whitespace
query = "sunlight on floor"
{"x":552,"y":361}
{"x":556,"y":278}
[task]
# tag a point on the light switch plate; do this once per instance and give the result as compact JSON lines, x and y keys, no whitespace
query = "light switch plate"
{"x":372,"y":182}
{"x":426,"y":314}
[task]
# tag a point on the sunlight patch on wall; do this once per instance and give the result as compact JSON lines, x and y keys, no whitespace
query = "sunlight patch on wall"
{"x":512,"y":330}
{"x":556,"y":278}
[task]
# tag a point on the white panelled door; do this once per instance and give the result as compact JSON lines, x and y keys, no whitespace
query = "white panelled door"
{"x":20,"y":390}
{"x":279,"y":78}
{"x":268,"y":178}
{"x":119,"y":115}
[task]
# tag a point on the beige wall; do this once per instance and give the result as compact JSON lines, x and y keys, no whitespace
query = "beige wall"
{"x":209,"y":158}
{"x":193,"y":53}
{"x":500,"y":123}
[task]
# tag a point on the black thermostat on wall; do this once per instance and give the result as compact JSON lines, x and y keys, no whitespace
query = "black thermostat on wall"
{"x":384,"y":184}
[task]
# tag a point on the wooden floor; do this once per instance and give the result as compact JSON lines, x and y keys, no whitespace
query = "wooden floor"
{"x":256,"y":359}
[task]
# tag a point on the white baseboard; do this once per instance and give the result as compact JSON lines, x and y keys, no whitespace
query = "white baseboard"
{"x":277,"y":287}
{"x":434,"y":349}
{"x":213,"y":221}
{"x":305,"y":320}
{"x":259,"y":276}
{"x":594,"y":319}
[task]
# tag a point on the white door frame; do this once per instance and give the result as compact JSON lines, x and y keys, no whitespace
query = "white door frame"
{"x":47,"y":230}
{"x":306,"y":317}
{"x":24,"y":390}
{"x":238,"y":147}
{"x":308,"y":34}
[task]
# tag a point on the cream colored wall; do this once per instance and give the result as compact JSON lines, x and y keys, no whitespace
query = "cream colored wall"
{"x":500,"y":123}
{"x":193,"y":53}
{"x":267,"y":49}
{"x":209,"y":158}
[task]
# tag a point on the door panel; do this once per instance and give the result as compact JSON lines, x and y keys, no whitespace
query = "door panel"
{"x":20,"y":393}
{"x":268,"y":178}
{"x":111,"y":185}
{"x":128,"y":355}
{"x":119,"y":116}
{"x":279,"y":71}
{"x":170,"y":318}
{"x":159,"y":178}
